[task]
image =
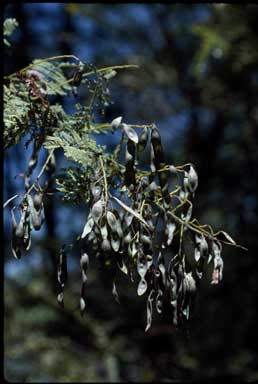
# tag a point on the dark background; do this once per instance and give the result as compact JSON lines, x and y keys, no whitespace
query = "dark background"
{"x":198,"y":81}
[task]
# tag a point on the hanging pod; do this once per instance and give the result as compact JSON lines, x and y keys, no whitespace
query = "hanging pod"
{"x":192,"y":179}
{"x":130,"y":133}
{"x":16,"y":241}
{"x":157,"y":147}
{"x":88,"y":227}
{"x":116,"y":122}
{"x":97,"y":210}
{"x":38,"y":200}
{"x":19,"y":231}
{"x":34,"y":215}
{"x":143,"y":139}
{"x":61,"y":274}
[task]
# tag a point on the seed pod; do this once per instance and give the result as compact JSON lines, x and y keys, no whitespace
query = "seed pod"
{"x":142,"y":287}
{"x":37,"y":200}
{"x":27,"y":236}
{"x":84,"y":263}
{"x":127,"y":238}
{"x":189,"y":284}
{"x":34,"y":215}
{"x":129,"y":175}
{"x":143,"y":138}
{"x":114,"y":292}
{"x":157,"y":147}
{"x":218,"y":263}
{"x":158,"y":301}
{"x":97,"y":210}
{"x":96,"y":192}
{"x":82,"y":305}
{"x":104,"y":231}
{"x":62,"y":268}
{"x":115,"y":242}
{"x":170,"y":229}
{"x":105,"y":245}
{"x":192,"y":179}
{"x":112,"y":221}
{"x":130,"y":132}
{"x":19,"y":231}
{"x":149,"y":310}
{"x":116,"y":122}
{"x":88,"y":227}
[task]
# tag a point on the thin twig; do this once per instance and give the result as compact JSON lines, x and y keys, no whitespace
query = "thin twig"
{"x":9,"y":200}
{"x":105,"y":181}
{"x":200,"y":232}
{"x":41,"y":172}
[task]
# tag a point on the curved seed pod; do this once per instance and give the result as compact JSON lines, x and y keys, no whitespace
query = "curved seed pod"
{"x":149,"y":260}
{"x":38,"y":200}
{"x":96,"y":192}
{"x":142,"y":287}
{"x":192,"y":179}
{"x":129,"y":174}
{"x":88,"y":227}
{"x":158,"y":301}
{"x":141,"y":266}
{"x":170,"y":229}
{"x":60,"y":299}
{"x":123,"y":268}
{"x":116,"y":122}
{"x":128,"y":218}
{"x":61,"y":275}
{"x":82,"y":305}
{"x":114,"y":292}
{"x":130,"y":132}
{"x":62,"y":267}
{"x":157,"y":147}
{"x":218,"y":263}
{"x":143,"y":138}
{"x":104,"y":231}
{"x":27,"y":236}
{"x":119,"y":230}
{"x":189,"y":284}
{"x":149,"y":310}
{"x":19,"y":231}
{"x":97,"y":210}
{"x":34,"y":215}
{"x":15,"y":242}
{"x":14,"y":223}
{"x":112,"y":221}
{"x":127,"y":238}
{"x":84,"y":263}
{"x":115,"y":242}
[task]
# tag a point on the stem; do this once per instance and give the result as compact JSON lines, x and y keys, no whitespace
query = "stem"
{"x":105,"y":181}
{"x":41,"y":172}
{"x":200,"y":232}
{"x":42,"y":61}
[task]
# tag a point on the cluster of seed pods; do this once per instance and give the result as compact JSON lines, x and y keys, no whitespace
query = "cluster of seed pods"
{"x":123,"y":231}
{"x":31,"y":208}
